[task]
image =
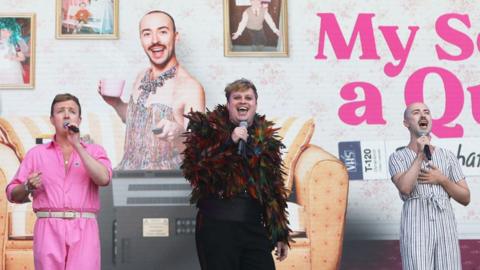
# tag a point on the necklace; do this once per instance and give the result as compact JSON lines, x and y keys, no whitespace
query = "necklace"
{"x":150,"y":86}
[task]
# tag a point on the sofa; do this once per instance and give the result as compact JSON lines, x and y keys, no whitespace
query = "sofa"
{"x":318,"y":182}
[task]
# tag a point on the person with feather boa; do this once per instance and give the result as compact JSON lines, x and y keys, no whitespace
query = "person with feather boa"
{"x":239,"y":190}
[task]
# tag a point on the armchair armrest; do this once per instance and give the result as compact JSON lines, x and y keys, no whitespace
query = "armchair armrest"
{"x":3,"y":218}
{"x":322,"y":188}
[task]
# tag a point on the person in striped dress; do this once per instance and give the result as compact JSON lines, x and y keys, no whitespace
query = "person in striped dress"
{"x":426,"y":180}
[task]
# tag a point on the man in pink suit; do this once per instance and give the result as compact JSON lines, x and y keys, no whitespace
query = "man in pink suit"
{"x":63,"y":177}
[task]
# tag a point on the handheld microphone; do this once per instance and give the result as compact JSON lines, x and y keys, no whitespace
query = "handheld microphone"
{"x":241,"y":143}
{"x":72,"y":128}
{"x":426,"y":148}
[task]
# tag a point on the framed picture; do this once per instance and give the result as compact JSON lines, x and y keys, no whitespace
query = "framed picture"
{"x":17,"y":50}
{"x":87,"y":19}
{"x":255,"y":28}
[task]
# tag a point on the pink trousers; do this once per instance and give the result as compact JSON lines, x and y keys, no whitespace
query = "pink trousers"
{"x":66,"y":244}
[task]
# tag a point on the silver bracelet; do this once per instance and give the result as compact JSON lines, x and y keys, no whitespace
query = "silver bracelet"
{"x":27,"y":188}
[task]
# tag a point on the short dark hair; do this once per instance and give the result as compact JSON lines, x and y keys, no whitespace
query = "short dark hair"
{"x":162,"y":12}
{"x":65,"y":97}
{"x":240,"y":85}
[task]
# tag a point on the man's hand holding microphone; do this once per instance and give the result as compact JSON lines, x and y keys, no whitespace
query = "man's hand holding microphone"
{"x":240,"y":136}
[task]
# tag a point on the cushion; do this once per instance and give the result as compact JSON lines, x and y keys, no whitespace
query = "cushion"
{"x":24,"y":130}
{"x":9,"y":138}
{"x":106,"y":130}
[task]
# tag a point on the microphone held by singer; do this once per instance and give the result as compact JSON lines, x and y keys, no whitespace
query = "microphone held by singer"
{"x":241,"y":143}
{"x":72,"y":128}
{"x":426,"y":148}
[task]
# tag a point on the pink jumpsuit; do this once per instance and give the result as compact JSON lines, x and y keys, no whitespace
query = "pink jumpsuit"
{"x":58,"y":243}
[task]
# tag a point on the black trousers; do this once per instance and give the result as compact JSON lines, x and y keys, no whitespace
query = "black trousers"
{"x":232,"y":245}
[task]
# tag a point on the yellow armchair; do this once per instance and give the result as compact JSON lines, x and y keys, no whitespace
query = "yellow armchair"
{"x":322,"y":189}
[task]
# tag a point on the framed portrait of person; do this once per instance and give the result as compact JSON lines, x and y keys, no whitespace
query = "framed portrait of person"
{"x":255,"y":28}
{"x":17,"y":50}
{"x":87,"y":19}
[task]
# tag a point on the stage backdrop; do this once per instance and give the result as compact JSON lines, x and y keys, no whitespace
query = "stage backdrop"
{"x":352,"y":66}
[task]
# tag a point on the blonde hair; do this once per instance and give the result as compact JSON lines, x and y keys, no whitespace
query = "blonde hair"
{"x":240,"y":85}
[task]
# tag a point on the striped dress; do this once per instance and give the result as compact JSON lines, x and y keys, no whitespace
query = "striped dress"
{"x":428,"y":232}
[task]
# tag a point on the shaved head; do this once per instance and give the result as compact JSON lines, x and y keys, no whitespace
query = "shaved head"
{"x":159,"y":12}
{"x":409,"y":108}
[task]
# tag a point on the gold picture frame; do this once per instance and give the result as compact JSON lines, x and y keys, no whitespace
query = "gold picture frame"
{"x":17,"y":50}
{"x":255,"y":28}
{"x":87,"y":19}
